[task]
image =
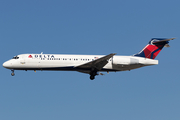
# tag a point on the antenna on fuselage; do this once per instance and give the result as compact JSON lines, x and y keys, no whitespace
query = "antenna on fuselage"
{"x":41,"y":52}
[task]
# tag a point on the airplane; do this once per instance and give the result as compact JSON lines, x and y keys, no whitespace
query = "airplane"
{"x":89,"y":64}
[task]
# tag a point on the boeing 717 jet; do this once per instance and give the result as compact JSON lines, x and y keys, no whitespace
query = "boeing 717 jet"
{"x":89,"y":64}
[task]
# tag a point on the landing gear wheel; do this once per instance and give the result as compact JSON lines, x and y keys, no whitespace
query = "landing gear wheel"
{"x":12,"y":74}
{"x":92,"y":77}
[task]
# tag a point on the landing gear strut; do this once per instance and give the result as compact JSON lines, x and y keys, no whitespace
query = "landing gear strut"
{"x":12,"y":73}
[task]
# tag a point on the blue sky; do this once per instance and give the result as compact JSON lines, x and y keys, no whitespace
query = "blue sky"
{"x":89,"y":27}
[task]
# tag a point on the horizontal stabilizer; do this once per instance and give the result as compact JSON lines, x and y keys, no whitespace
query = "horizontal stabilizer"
{"x":158,"y":41}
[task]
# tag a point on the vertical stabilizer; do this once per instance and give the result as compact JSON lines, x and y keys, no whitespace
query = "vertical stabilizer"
{"x":153,"y":48}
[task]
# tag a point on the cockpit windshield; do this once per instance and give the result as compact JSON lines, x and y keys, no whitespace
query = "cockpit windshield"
{"x":15,"y":57}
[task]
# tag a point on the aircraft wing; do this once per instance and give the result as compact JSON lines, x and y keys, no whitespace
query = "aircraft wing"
{"x":97,"y":64}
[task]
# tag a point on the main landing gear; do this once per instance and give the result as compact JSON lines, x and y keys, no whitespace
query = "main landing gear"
{"x":12,"y":73}
{"x":93,"y":74}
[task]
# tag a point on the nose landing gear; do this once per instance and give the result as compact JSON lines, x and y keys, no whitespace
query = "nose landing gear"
{"x":12,"y":73}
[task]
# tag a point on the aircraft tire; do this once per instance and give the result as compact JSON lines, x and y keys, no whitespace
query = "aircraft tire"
{"x":12,"y":74}
{"x":92,"y":77}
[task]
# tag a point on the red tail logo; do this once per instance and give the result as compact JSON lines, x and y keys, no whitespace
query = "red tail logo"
{"x":151,"y":51}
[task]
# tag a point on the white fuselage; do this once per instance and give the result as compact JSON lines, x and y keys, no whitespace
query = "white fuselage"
{"x":69,"y":62}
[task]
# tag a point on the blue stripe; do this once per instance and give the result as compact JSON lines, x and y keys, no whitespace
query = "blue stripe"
{"x":154,"y":52}
{"x":140,"y":54}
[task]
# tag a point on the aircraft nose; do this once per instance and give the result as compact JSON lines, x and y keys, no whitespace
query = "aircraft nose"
{"x":7,"y":64}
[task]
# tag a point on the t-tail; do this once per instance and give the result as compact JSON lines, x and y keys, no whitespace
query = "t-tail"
{"x":153,"y":48}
